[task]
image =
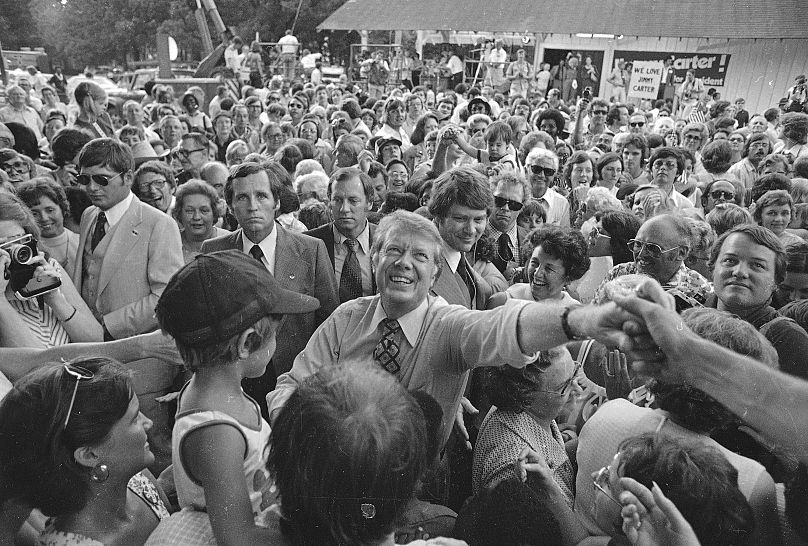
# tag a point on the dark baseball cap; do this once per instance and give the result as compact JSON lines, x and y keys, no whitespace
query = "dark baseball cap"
{"x":221,"y":294}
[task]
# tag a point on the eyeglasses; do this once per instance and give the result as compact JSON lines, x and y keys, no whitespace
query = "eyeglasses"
{"x":692,"y":138}
{"x":79,"y":373}
{"x":538,"y":169}
{"x":147,"y":186}
{"x":568,"y":382}
{"x":692,"y":260}
{"x":599,"y":112}
{"x":20,"y":167}
{"x":654,"y":250}
{"x":596,"y":232}
{"x":501,"y":202}
{"x":600,"y":483}
{"x":637,"y":124}
{"x":100,"y":179}
{"x":182,"y":152}
{"x":659,"y":163}
{"x":721,"y":194}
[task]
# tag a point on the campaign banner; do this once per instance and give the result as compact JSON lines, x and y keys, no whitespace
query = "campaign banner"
{"x":645,"y":78}
{"x":710,"y":67}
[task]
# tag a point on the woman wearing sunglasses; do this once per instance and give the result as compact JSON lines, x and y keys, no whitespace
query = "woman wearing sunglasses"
{"x":75,"y":447}
{"x":61,"y":316}
{"x":526,"y":402}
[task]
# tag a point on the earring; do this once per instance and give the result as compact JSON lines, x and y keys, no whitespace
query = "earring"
{"x":99,"y":473}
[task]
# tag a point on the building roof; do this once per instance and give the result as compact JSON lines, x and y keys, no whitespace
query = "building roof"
{"x":673,"y":18}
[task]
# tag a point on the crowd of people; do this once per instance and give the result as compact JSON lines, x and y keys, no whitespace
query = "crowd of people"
{"x":322,"y":314}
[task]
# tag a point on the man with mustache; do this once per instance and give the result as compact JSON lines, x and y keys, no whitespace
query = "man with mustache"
{"x":757,"y":146}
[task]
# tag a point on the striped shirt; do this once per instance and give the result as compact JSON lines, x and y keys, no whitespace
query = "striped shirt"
{"x":42,"y":322}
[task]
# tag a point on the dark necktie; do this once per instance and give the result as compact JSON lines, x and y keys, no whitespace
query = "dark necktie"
{"x":257,"y":253}
{"x":99,"y":231}
{"x":350,"y":282}
{"x":468,"y":279}
{"x":386,"y":351}
{"x":504,"y":253}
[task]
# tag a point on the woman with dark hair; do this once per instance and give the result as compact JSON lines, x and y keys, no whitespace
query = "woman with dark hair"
{"x":196,"y":212}
{"x":417,"y":153}
{"x":48,"y":203}
{"x":609,"y":169}
{"x":309,"y":130}
{"x":559,"y":257}
{"x":716,"y":158}
{"x":774,"y":211}
{"x":696,"y":477}
{"x":608,"y":247}
{"x":526,"y":401}
{"x":579,"y":175}
{"x":62,"y":316}
{"x":75,"y":447}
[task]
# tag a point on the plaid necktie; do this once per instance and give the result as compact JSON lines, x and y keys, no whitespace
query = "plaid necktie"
{"x":350,"y":281}
{"x":386,"y":351}
{"x":99,"y":231}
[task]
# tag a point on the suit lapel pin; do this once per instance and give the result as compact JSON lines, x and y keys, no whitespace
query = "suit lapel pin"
{"x":292,"y":277}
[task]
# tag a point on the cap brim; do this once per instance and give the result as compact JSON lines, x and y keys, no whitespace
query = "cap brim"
{"x":294,"y":303}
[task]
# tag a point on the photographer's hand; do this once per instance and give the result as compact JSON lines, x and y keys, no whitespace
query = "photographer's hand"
{"x":5,"y":262}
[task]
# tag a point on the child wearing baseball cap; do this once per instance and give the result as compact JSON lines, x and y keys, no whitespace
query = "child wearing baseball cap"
{"x":223,"y":310}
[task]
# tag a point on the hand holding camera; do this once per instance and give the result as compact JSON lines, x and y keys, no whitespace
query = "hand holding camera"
{"x":27,"y":271}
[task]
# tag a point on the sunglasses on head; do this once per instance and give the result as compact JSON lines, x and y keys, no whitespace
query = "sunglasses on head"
{"x":501,"y":202}
{"x":100,"y":179}
{"x":78,"y":373}
{"x":538,"y":169}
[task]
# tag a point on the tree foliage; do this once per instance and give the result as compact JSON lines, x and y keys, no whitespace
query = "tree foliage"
{"x":102,"y":31}
{"x":17,"y":28}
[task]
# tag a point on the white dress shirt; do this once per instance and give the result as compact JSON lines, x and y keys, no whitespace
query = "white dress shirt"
{"x":267,"y":246}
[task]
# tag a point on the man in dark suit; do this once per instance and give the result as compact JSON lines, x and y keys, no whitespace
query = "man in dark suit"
{"x":460,"y":204}
{"x":349,"y":237}
{"x":509,"y":239}
{"x":299,"y":262}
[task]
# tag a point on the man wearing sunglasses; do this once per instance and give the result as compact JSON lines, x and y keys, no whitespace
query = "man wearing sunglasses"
{"x":660,"y":249}
{"x":540,"y":169}
{"x":509,"y":197}
{"x":127,"y":253}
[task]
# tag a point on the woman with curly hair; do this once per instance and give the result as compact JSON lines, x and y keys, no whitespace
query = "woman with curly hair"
{"x":526,"y":402}
{"x":559,"y":257}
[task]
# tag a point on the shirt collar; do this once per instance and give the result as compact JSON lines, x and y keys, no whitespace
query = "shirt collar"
{"x":452,"y":257}
{"x":267,"y":244}
{"x":116,"y":211}
{"x":410,"y":323}
{"x":363,"y":239}
{"x":512,"y":234}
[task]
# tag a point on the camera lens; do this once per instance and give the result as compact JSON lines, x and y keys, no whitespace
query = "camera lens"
{"x":21,"y":254}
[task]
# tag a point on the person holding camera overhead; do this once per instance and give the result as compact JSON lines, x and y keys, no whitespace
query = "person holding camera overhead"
{"x":54,"y":314}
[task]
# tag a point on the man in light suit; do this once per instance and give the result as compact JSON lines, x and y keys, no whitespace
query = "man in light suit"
{"x":460,"y":205}
{"x":349,"y":237}
{"x":127,"y":253}
{"x":299,"y":262}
